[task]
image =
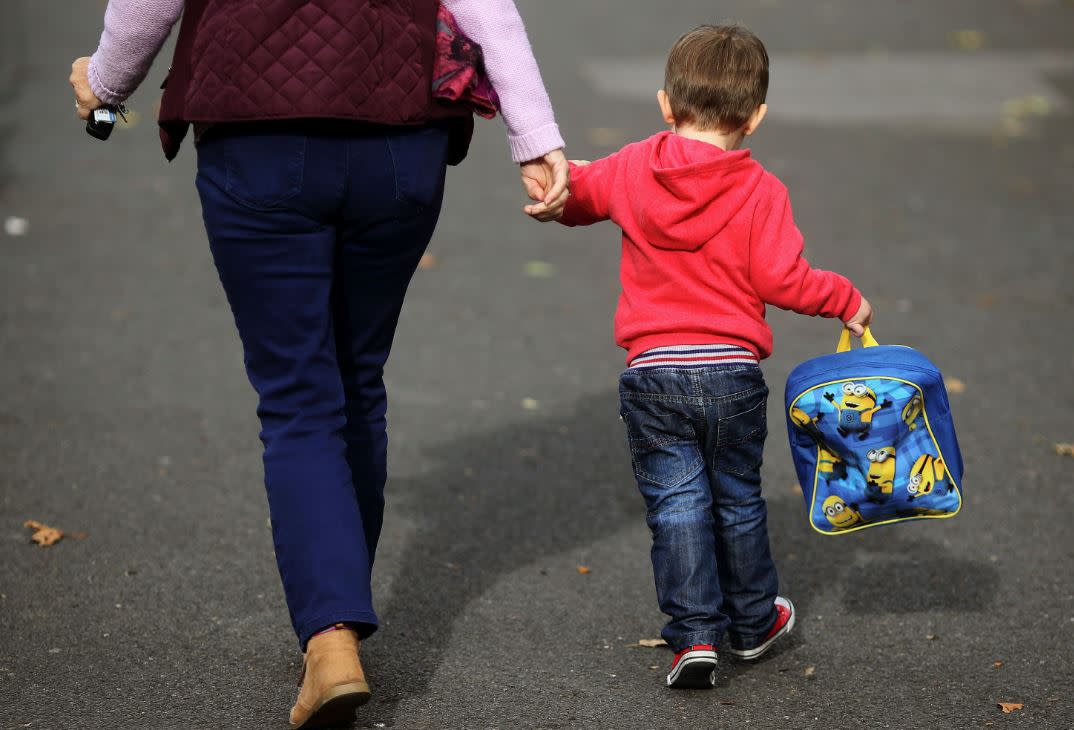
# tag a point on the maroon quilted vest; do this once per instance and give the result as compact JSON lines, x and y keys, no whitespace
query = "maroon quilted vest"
{"x":252,"y":60}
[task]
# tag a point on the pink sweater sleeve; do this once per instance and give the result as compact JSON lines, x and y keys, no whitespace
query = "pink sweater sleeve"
{"x":781,"y":275}
{"x":134,"y":31}
{"x":497,"y":27}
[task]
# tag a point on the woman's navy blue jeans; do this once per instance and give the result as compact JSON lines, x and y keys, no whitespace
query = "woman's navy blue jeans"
{"x":316,"y":229}
{"x":697,"y":438}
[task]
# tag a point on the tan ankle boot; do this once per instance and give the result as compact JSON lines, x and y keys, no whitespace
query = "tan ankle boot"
{"x":332,"y":683}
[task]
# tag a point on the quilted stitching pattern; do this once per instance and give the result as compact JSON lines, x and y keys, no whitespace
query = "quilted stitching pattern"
{"x":329,"y":58}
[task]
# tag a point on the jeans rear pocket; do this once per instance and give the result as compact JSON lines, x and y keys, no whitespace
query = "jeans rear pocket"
{"x":740,"y":446}
{"x":263,"y":171}
{"x":663,"y":446}
{"x":419,"y":155}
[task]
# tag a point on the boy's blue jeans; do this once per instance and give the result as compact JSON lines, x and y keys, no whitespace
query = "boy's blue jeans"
{"x":696,"y":442}
{"x":316,"y":229}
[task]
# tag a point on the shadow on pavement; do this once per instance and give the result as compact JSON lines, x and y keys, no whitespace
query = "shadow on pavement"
{"x":551,"y":485}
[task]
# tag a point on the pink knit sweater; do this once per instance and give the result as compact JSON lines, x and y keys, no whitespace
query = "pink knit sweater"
{"x":135,"y":30}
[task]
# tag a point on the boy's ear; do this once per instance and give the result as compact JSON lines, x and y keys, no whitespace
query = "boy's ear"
{"x":665,"y":107}
{"x":755,"y":119}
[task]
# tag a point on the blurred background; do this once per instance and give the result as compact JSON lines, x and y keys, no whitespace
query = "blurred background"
{"x":929,"y":151}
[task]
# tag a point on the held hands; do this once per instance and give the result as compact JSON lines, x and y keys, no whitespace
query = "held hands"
{"x":546,"y":181}
{"x":85,"y":100}
{"x":861,"y":320}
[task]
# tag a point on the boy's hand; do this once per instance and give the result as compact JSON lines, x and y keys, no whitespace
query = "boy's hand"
{"x":546,"y":180}
{"x":861,"y":320}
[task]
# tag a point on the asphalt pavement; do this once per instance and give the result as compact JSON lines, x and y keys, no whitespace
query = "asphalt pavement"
{"x":929,"y":155}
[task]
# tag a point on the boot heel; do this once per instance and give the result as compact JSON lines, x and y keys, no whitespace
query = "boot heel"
{"x":337,"y":706}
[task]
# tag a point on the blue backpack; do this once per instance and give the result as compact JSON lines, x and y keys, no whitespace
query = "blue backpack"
{"x":872,"y":437}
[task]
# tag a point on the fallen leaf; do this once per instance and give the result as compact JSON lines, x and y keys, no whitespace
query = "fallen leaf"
{"x":810,"y":671}
{"x":130,"y":119}
{"x":1023,"y":186}
{"x":1064,"y":449}
{"x":652,"y":643}
{"x":606,"y":136}
{"x":1034,"y":105}
{"x":968,"y":40}
{"x":727,"y":702}
{"x":997,"y":664}
{"x":1009,"y":707}
{"x":931,"y":637}
{"x":15,"y":226}
{"x":954,"y":385}
{"x":43,"y":534}
{"x":539,"y":270}
{"x":583,"y":570}
{"x":428,"y":262}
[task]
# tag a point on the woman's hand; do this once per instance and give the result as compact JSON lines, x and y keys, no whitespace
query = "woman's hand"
{"x":85,"y":100}
{"x":546,"y":180}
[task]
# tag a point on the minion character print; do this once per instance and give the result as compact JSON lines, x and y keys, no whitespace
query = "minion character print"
{"x":840,"y":514}
{"x":927,"y":472}
{"x":880,"y":479}
{"x":856,"y":409}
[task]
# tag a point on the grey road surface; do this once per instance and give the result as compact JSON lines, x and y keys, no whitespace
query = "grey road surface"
{"x":929,"y":152}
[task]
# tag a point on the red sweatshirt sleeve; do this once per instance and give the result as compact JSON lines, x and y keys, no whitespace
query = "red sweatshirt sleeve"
{"x":780,"y":274}
{"x":592,"y":185}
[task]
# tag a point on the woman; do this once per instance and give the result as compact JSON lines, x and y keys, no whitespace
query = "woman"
{"x":321,"y":167}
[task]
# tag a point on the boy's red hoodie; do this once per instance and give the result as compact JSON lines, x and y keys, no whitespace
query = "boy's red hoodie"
{"x":708,"y":240}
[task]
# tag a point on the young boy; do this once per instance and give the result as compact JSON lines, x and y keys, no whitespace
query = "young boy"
{"x":708,"y":241}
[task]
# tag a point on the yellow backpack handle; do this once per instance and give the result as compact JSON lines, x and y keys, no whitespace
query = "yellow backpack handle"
{"x":867,"y":340}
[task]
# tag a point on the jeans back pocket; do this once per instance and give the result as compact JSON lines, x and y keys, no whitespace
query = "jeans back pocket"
{"x":419,"y":156}
{"x":262,"y":171}
{"x":663,"y":446}
{"x":742,"y":433}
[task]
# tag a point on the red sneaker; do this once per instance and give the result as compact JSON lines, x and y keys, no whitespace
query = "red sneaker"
{"x":783,"y":625}
{"x":694,"y":668}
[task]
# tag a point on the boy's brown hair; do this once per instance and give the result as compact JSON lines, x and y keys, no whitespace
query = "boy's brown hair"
{"x":716,"y":76}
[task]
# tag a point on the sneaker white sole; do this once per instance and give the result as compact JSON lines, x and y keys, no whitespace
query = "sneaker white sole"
{"x":757,"y":651}
{"x":696,"y":670}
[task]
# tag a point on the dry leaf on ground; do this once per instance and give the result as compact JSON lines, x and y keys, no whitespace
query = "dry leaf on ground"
{"x":651,"y":643}
{"x":428,"y":262}
{"x":968,"y":40}
{"x":954,"y":385}
{"x":43,"y":534}
{"x":539,"y":270}
{"x":810,"y":671}
{"x":607,"y":136}
{"x":583,"y":569}
{"x":1064,"y":449}
{"x":1009,"y":707}
{"x":997,"y":664}
{"x":931,"y":637}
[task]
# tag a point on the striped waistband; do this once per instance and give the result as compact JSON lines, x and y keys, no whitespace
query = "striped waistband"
{"x":693,"y":356}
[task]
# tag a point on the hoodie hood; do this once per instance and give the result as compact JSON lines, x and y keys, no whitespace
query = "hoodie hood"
{"x":696,"y":189}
